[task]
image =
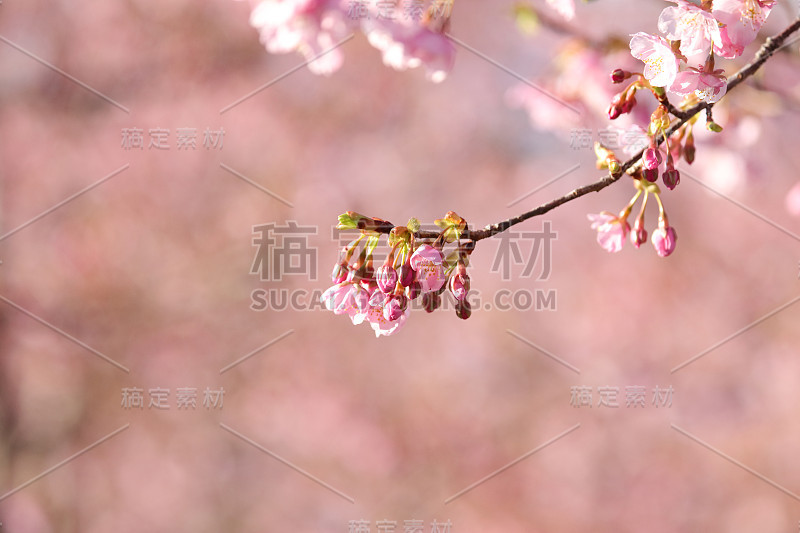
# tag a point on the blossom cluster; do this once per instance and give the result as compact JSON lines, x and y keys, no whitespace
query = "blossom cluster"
{"x":315,"y":28}
{"x":613,"y":230}
{"x":682,"y":62}
{"x":413,"y":268}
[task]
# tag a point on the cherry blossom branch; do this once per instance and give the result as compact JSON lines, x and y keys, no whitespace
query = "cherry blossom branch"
{"x":770,"y":46}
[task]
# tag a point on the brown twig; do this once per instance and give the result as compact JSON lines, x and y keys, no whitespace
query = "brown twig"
{"x":770,"y":46}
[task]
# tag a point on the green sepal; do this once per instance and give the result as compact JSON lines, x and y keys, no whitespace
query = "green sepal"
{"x":453,"y":225}
{"x":349,"y":220}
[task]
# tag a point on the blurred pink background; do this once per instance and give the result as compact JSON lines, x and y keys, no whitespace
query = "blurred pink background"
{"x":152,"y":269}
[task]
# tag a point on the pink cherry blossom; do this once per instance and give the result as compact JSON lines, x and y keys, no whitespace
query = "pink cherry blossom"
{"x":334,"y":296}
{"x":660,"y":63}
{"x":664,"y":239}
{"x":427,"y":263}
{"x":408,"y":44}
{"x":708,"y":86}
{"x":348,"y":298}
{"x":565,"y":8}
{"x":740,"y":20}
{"x":382,"y":325}
{"x":695,"y":28}
{"x":793,"y":200}
{"x":311,"y":27}
{"x":611,"y":230}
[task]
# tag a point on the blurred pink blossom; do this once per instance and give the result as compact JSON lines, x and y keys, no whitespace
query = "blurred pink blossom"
{"x":310,"y":27}
{"x":407,"y":44}
{"x":793,"y":200}
{"x":565,"y":8}
{"x":695,"y":28}
{"x":578,"y":90}
{"x":740,"y":22}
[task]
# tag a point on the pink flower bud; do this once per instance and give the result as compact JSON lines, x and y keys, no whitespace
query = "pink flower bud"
{"x":414,"y":290}
{"x":340,"y":272}
{"x":639,"y":234}
{"x":629,"y":104}
{"x":671,"y":178}
{"x":619,"y":75}
{"x":651,"y":175}
{"x":395,"y":307}
{"x":387,"y":278}
{"x":651,"y":159}
{"x":463,"y":309}
{"x":406,"y":275}
{"x":689,"y":149}
{"x":615,"y":109}
{"x":431,"y":301}
{"x":459,"y":283}
{"x":664,"y":239}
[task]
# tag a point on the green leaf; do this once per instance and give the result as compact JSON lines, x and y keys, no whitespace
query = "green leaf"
{"x":349,"y":220}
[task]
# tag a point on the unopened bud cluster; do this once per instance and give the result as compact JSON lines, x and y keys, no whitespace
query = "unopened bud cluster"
{"x":414,"y":268}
